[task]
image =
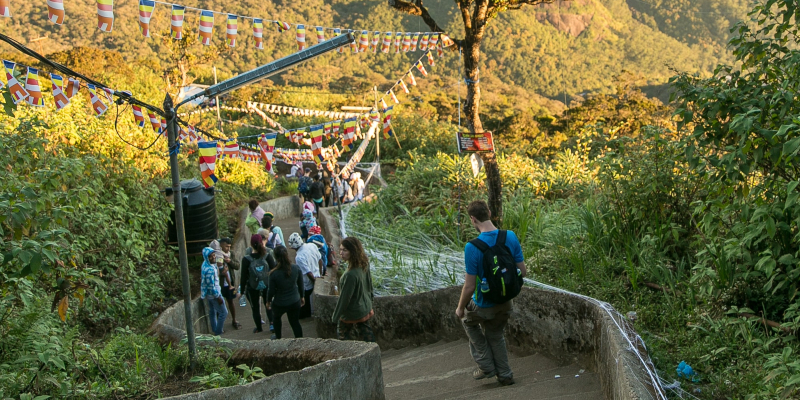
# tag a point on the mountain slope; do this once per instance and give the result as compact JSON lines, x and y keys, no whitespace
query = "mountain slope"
{"x":567,"y":47}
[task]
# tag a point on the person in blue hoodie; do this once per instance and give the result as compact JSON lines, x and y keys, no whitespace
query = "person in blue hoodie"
{"x":211,"y":292}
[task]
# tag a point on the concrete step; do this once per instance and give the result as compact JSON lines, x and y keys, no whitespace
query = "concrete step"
{"x":422,"y":357}
{"x":444,"y":371}
{"x":391,"y":354}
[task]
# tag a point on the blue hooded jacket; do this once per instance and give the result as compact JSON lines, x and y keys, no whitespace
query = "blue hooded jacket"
{"x":209,"y":283}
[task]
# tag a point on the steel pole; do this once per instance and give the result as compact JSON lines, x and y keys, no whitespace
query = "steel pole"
{"x":172,"y":128}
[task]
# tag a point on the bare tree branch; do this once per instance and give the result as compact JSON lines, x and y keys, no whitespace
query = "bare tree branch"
{"x":416,"y":8}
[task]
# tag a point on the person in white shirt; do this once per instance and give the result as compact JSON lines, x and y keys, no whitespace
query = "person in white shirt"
{"x":309,"y":259}
{"x":357,"y":185}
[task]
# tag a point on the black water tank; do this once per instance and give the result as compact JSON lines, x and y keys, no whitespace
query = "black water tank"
{"x":199,"y":216}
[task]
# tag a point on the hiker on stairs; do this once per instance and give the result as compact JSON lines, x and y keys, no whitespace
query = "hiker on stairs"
{"x":494,"y":271}
{"x":255,"y":274}
{"x":354,"y":307}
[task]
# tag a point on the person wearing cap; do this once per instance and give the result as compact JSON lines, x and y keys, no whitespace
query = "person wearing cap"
{"x":315,"y":237}
{"x":275,"y":237}
{"x":309,"y":259}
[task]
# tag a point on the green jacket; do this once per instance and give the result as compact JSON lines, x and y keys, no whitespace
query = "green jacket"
{"x":252,"y":224}
{"x":355,"y":296}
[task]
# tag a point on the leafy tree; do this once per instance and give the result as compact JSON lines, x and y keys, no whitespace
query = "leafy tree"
{"x":742,"y":126}
{"x":475,"y":15}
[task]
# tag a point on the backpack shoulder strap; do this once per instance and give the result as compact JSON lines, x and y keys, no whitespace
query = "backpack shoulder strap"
{"x":480,"y":244}
{"x":501,"y":237}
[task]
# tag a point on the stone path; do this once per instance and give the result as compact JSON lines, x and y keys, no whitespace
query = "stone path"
{"x":444,"y":371}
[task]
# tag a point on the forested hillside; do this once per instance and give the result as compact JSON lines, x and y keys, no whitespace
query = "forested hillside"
{"x":566,"y":47}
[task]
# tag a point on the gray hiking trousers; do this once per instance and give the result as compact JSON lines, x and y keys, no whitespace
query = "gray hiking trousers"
{"x":485,"y":327}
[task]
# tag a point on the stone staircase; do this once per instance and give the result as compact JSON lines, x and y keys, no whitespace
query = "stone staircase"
{"x":443,"y":370}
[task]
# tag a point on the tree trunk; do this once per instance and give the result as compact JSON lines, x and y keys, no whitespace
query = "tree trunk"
{"x":494,"y":186}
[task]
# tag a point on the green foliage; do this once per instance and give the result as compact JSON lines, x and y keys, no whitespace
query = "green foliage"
{"x":742,"y":129}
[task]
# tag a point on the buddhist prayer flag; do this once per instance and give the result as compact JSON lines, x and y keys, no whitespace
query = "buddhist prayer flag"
{"x":207,"y":158}
{"x":337,"y":32}
{"x":398,"y":37}
{"x":55,"y":11}
{"x":206,"y":28}
{"x":403,"y":85}
{"x":438,"y":51}
{"x":421,"y":68}
{"x":282,"y":26}
{"x":301,"y":37}
{"x":72,"y":87}
{"x":146,"y":8}
{"x":231,"y":149}
{"x":375,"y":42}
{"x":232,"y":30}
{"x":97,"y":105}
{"x":406,"y":42}
{"x":176,"y":26}
{"x":423,"y":44}
{"x":394,"y":97}
{"x":258,"y":33}
{"x":387,"y":123}
{"x":18,"y":92}
{"x":320,"y":33}
{"x":430,"y":59}
{"x":138,"y":116}
{"x":59,"y":97}
{"x":335,"y":127}
{"x":387,"y":42}
{"x":154,"y":122}
{"x":182,"y":134}
{"x":5,"y":8}
{"x":327,"y":129}
{"x":316,"y":143}
{"x":105,"y":15}
{"x":433,"y":41}
{"x":414,"y":40}
{"x":163,"y":127}
{"x":34,"y":90}
{"x":383,"y":103}
{"x":349,"y":133}
{"x":411,"y":79}
{"x":363,"y":42}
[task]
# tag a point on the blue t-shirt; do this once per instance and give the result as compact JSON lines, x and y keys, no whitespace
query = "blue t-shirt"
{"x":473,"y":258}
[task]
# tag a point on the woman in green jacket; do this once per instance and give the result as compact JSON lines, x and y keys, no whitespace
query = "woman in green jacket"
{"x":354,"y":308}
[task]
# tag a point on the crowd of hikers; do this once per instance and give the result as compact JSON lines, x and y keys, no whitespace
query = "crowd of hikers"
{"x":269,"y":280}
{"x":494,"y":272}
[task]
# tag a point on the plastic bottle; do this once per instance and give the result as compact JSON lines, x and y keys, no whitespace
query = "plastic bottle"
{"x":242,"y":299}
{"x":484,"y":285}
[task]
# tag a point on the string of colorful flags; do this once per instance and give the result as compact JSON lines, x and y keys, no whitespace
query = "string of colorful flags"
{"x":63,"y":90}
{"x":368,"y":40}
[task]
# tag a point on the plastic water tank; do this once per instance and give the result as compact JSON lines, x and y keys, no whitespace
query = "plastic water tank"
{"x":199,"y":216}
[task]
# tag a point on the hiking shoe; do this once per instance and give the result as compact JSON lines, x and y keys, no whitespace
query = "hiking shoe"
{"x":505,"y":381}
{"x":478,"y":374}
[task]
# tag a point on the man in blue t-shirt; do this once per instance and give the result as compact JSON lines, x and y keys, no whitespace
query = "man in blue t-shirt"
{"x":487,"y":345}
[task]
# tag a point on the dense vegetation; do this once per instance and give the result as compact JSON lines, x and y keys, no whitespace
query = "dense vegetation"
{"x":84,"y":266}
{"x":691,"y":222}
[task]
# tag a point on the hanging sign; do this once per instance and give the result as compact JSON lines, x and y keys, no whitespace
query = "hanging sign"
{"x":473,"y":142}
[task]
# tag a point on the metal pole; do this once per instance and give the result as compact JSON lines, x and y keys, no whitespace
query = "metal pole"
{"x":178,"y":197}
{"x":216,"y":99}
{"x":377,"y":135}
